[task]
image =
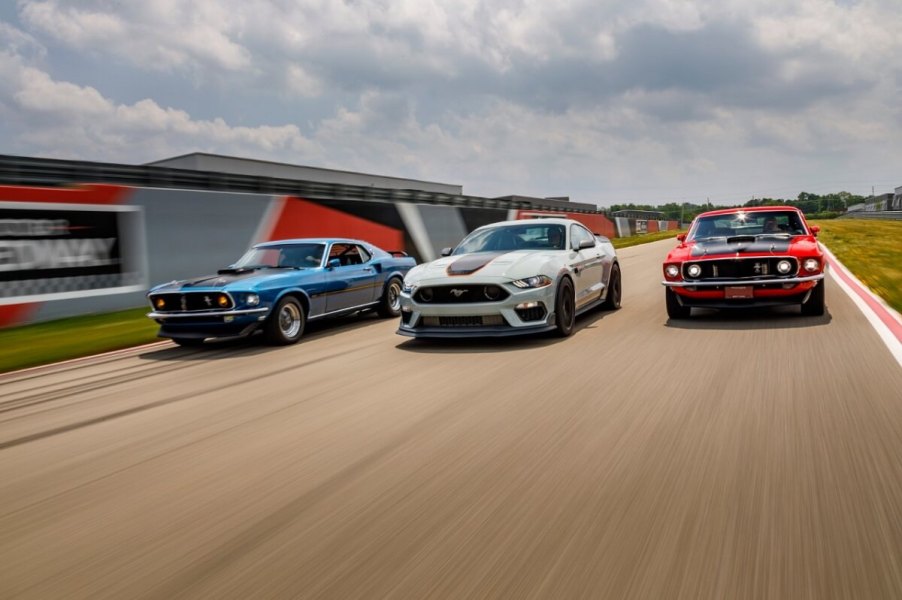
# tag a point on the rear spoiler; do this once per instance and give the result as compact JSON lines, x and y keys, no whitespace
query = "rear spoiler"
{"x":399,"y":253}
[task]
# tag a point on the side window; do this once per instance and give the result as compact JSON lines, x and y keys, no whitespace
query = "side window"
{"x":338,"y":252}
{"x":578,"y":234}
{"x":347,"y":254}
{"x":364,"y":254}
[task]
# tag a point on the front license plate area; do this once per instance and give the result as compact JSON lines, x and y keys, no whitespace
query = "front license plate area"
{"x":738,"y":292}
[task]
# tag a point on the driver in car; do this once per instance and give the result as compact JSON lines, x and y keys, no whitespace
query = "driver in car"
{"x":770,"y":225}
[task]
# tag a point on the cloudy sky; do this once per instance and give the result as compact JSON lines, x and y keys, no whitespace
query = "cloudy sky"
{"x":605,"y":101}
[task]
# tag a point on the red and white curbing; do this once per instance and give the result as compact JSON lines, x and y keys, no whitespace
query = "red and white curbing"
{"x":886,"y":321}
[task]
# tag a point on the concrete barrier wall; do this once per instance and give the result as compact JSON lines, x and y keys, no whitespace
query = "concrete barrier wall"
{"x":188,"y":233}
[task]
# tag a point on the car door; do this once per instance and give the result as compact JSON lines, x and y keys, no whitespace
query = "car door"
{"x":351,"y":277}
{"x":587,"y":264}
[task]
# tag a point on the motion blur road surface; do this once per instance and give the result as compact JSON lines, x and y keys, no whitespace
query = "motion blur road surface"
{"x":728,"y":456}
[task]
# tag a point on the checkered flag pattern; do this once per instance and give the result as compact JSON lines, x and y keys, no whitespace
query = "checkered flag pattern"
{"x":57,"y":285}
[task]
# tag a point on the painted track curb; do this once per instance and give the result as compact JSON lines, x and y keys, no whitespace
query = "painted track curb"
{"x":886,"y":321}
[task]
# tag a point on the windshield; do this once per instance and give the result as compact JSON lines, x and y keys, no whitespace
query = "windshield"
{"x":782,"y":223}
{"x":532,"y":236}
{"x":288,"y":256}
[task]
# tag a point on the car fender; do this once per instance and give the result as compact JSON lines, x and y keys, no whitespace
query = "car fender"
{"x":294,"y":291}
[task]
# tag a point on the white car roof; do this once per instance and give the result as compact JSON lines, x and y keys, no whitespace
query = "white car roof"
{"x":541,"y":220}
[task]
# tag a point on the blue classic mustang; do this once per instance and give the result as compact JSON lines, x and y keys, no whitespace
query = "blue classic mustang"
{"x":277,"y":287}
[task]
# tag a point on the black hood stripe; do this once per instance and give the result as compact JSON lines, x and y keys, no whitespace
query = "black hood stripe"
{"x":218,"y":280}
{"x":722,"y":247}
{"x":470,"y":263}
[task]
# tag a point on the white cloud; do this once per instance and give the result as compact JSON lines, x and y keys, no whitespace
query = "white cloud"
{"x":67,"y":120}
{"x":506,"y":96}
{"x":158,"y":35}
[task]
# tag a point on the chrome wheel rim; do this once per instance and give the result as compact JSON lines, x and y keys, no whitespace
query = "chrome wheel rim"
{"x":290,"y":320}
{"x":394,"y":296}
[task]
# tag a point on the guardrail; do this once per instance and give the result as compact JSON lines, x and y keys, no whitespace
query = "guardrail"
{"x":21,"y":170}
{"x":895,"y":215}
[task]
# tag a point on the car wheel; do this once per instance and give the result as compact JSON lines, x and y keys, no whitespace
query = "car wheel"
{"x":564,"y":308}
{"x":675,"y":310}
{"x":286,"y":323}
{"x":615,"y":292}
{"x":189,"y":342}
{"x":390,"y":305}
{"x":814,"y":307}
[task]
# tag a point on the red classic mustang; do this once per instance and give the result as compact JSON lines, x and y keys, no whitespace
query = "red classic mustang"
{"x":740,"y":257}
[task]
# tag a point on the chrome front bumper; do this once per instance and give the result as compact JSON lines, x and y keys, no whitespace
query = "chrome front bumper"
{"x":742,"y":282}
{"x":214,"y":313}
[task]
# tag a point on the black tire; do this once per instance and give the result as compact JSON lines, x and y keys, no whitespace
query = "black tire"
{"x":615,"y":292}
{"x":286,"y":323}
{"x":189,"y":342}
{"x":564,"y":308}
{"x":390,"y":303}
{"x":814,"y":307}
{"x":675,"y":310}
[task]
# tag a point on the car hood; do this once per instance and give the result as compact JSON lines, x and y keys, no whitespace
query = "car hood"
{"x":739,"y":245}
{"x":509,"y":265}
{"x":246,"y":280}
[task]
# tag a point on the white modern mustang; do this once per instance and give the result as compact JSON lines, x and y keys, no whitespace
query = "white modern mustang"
{"x":512,"y":278}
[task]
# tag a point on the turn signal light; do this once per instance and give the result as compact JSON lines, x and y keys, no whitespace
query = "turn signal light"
{"x":222,"y":300}
{"x":159,"y":303}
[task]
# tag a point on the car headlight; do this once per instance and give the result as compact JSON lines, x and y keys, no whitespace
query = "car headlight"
{"x":784,"y":267}
{"x":672,"y":271}
{"x":252,"y":299}
{"x":811,"y":264}
{"x":694,"y":270}
{"x":537,"y":281}
{"x":409,"y":288}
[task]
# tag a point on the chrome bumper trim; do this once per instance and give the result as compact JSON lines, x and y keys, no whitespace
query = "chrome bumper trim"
{"x":216,"y":313}
{"x":732,"y":282}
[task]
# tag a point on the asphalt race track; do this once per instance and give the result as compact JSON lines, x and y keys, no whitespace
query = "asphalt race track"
{"x":728,"y":456}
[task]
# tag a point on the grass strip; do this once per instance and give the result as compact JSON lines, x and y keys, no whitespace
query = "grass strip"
{"x":635,"y":240}
{"x":53,"y":341}
{"x":872,"y":250}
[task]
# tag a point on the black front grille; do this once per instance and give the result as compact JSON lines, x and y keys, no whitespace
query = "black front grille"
{"x":460,"y":294}
{"x":192,"y":301}
{"x":476,"y":321}
{"x":740,"y":268}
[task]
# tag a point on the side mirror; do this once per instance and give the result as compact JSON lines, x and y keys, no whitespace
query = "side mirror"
{"x":586,"y":244}
{"x":333,"y":263}
{"x":815,"y":230}
{"x":447,"y":251}
{"x":681,"y":237}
